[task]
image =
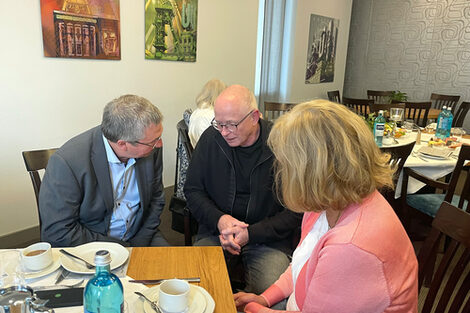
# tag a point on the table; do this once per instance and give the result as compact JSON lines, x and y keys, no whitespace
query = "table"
{"x":431,"y":168}
{"x":208,"y":263}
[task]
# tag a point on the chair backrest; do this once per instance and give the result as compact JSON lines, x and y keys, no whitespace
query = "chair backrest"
{"x":35,"y":161}
{"x":359,"y":106}
{"x":418,"y":112}
{"x":376,"y":107}
{"x":438,"y":101}
{"x":379,"y":96}
{"x":464,"y":155}
{"x":459,"y":116}
{"x":184,"y":152}
{"x":273,"y":110}
{"x":398,"y":157}
{"x":464,"y":202}
{"x":334,"y":96}
{"x":450,"y":283}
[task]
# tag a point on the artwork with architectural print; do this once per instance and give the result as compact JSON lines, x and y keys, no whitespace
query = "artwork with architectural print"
{"x":321,"y":52}
{"x":84,"y":29}
{"x":171,"y":30}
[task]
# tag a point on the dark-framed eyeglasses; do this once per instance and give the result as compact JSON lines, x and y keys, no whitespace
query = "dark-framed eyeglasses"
{"x":151,"y":144}
{"x":231,"y":127}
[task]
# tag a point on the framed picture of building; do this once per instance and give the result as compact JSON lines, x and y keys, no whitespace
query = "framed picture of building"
{"x":322,"y":40}
{"x":83,"y":29}
{"x":171,"y":30}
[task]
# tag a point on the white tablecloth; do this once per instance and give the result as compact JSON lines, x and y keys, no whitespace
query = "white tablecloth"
{"x":431,"y":168}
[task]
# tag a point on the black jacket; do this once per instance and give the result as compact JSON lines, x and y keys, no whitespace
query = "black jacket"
{"x":211,"y":186}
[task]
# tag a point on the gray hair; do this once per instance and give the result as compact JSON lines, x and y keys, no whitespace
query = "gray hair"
{"x":126,"y":118}
{"x":210,"y":91}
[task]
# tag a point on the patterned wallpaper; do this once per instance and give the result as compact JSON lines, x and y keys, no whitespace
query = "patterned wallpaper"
{"x":415,"y":46}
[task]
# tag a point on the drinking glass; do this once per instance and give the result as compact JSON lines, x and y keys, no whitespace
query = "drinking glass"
{"x":409,"y":124}
{"x":11,"y":269}
{"x":458,"y":132}
{"x":396,"y":115}
{"x":430,"y":126}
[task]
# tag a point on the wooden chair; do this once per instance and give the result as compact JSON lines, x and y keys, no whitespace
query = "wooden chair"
{"x":424,"y":206}
{"x":449,"y":273}
{"x":376,"y":107}
{"x":359,"y":106}
{"x":273,"y":110}
{"x":334,"y":96}
{"x":438,"y":101}
{"x":35,"y":161}
{"x":379,"y":96}
{"x":418,"y":112}
{"x":398,"y":156}
{"x":181,"y":220}
{"x":460,"y":115}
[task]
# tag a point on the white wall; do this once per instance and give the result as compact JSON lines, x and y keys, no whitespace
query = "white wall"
{"x":297,"y":90}
{"x":45,"y":101}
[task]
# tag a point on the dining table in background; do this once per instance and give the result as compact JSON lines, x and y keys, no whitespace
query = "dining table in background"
{"x":431,"y":168}
{"x":208,"y":263}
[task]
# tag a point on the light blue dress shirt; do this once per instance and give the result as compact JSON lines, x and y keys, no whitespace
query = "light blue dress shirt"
{"x":125,"y":194}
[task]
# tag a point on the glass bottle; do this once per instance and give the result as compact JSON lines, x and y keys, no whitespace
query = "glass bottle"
{"x":104,"y":292}
{"x":440,"y":121}
{"x":448,"y":124}
{"x":379,"y":127}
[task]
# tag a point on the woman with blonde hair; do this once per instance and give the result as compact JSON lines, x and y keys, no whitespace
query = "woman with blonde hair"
{"x":354,"y":255}
{"x":201,"y":117}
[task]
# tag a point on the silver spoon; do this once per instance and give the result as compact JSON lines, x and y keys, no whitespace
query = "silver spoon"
{"x":152,"y":304}
{"x":88,"y":265}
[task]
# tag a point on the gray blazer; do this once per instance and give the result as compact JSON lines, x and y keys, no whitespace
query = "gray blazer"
{"x":76,"y":196}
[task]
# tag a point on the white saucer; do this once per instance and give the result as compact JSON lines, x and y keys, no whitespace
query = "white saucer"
{"x":51,"y":268}
{"x":199,"y":300}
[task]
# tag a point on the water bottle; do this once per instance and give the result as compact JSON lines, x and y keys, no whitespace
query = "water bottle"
{"x":440,"y":120}
{"x":104,"y":292}
{"x":379,"y":127}
{"x":448,"y":125}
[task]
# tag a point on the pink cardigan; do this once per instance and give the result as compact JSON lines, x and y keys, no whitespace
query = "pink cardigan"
{"x":366,"y":263}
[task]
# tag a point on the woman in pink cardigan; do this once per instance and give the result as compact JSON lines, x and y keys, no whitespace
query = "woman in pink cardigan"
{"x":354,"y":254}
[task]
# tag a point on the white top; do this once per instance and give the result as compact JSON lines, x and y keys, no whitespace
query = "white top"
{"x":303,"y":252}
{"x":198,"y":122}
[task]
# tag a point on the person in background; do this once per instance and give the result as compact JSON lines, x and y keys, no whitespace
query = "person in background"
{"x":354,"y":254}
{"x":229,"y":191}
{"x":201,"y":117}
{"x":106,"y":183}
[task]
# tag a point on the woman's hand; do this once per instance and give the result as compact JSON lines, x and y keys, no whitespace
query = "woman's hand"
{"x":243,"y":298}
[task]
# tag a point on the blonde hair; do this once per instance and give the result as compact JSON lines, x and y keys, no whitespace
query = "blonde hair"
{"x":206,"y":98}
{"x":326,"y":157}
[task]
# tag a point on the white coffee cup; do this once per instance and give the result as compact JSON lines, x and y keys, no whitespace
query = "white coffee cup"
{"x":37,"y":256}
{"x":173,"y":295}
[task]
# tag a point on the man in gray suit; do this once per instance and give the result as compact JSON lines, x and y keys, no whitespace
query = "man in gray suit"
{"x":106,"y":183}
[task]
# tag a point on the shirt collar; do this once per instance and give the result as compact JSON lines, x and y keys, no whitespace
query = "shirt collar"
{"x":111,"y":156}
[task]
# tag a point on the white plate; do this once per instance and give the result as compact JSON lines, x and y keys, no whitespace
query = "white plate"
{"x":433,"y":157}
{"x":119,"y":256}
{"x":51,"y":268}
{"x":199,"y":300}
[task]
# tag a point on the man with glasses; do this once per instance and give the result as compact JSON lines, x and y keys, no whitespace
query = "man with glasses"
{"x":229,"y":191}
{"x":106,"y":183}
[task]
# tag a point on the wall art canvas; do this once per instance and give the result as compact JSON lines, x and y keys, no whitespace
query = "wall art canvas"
{"x":171,"y":30}
{"x":321,"y":53}
{"x":81,"y":29}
